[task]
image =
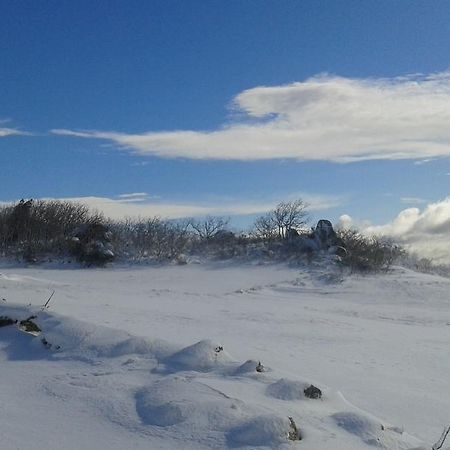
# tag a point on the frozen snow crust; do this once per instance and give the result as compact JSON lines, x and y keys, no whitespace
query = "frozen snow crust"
{"x":97,"y":387}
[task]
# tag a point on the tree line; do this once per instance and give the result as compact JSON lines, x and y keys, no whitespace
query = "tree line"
{"x":40,"y":230}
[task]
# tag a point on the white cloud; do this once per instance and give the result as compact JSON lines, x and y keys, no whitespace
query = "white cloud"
{"x":323,"y":118}
{"x":121,"y":208}
{"x":423,"y":161}
{"x":427,"y":232}
{"x":345,"y":222}
{"x":4,"y":132}
{"x":133,"y":197}
{"x":412,"y":200}
{"x":140,"y":204}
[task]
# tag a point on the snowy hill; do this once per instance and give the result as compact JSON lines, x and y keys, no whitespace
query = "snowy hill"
{"x":166,"y":358}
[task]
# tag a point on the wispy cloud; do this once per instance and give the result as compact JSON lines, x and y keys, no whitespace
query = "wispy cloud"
{"x":420,"y":162}
{"x":412,"y":200}
{"x":4,"y":132}
{"x":427,"y":232}
{"x":323,"y":118}
{"x":133,"y":197}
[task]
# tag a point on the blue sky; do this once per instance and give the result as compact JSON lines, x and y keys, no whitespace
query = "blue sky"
{"x":228,"y":107}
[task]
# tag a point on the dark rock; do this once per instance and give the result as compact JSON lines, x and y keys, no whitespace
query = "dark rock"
{"x":6,"y":321}
{"x":313,"y":392}
{"x":260,"y":368}
{"x":29,"y":326}
{"x":322,"y":238}
{"x":325,"y":234}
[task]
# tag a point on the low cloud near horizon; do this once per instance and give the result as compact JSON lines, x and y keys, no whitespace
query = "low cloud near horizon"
{"x":141,"y":204}
{"x":426,"y":232}
{"x":322,"y":118}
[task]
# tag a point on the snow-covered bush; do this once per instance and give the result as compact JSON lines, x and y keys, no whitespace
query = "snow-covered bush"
{"x":91,"y":244}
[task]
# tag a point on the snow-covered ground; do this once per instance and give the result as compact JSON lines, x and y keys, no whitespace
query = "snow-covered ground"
{"x":135,"y":359}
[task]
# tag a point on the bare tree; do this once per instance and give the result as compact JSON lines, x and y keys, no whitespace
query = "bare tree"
{"x":290,"y":215}
{"x":265,"y":227}
{"x":286,"y":216}
{"x":209,"y":226}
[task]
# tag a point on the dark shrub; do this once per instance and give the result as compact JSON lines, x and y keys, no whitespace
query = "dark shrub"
{"x":367,"y":254}
{"x":91,"y":244}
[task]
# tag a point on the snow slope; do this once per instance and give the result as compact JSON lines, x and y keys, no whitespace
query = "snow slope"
{"x":136,"y":359}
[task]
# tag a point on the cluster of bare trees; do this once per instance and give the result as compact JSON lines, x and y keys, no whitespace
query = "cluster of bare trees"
{"x":34,"y":229}
{"x":209,"y":227}
{"x":162,"y":240}
{"x":151,"y":238}
{"x":35,"y":226}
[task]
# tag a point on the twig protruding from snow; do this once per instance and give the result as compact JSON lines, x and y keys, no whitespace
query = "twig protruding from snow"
{"x":45,"y":306}
{"x":441,"y":440}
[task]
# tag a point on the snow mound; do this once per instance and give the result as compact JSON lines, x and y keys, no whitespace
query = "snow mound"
{"x":359,"y":425}
{"x":155,"y":407}
{"x":175,"y":400}
{"x":248,"y":367}
{"x":284,"y":389}
{"x":373,"y":433}
{"x":203,"y":356}
{"x":267,"y":430}
{"x":151,"y":389}
{"x":81,"y":340}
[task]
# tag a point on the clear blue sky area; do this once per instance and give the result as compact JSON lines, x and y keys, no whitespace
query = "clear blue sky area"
{"x":136,"y":67}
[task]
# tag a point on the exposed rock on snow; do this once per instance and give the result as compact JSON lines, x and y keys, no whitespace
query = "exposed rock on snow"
{"x":29,"y":326}
{"x":6,"y":321}
{"x":260,"y":368}
{"x":313,"y":392}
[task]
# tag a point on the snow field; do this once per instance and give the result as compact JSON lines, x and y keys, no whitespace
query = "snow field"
{"x":100,"y":385}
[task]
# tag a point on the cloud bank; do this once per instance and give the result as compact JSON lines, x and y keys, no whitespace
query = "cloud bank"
{"x":322,"y":118}
{"x":141,"y":204}
{"x":426,"y":232}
